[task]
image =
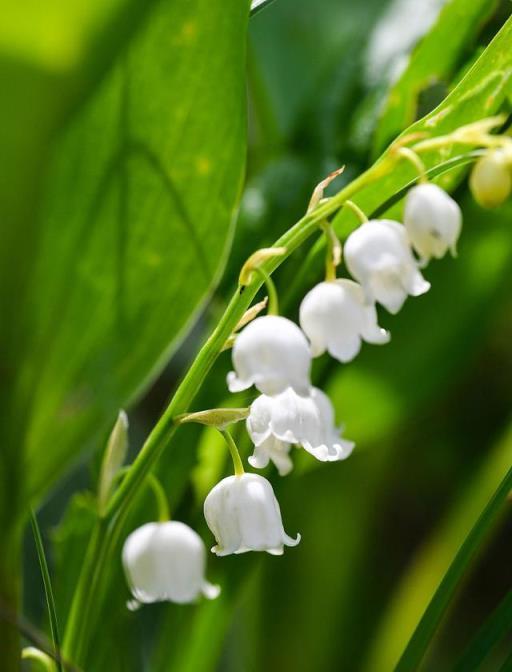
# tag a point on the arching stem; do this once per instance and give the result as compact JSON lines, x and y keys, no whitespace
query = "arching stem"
{"x":414,"y":159}
{"x":162,"y":502}
{"x":235,"y":455}
{"x":356,"y":210}
{"x":273,"y":300}
{"x":333,"y":253}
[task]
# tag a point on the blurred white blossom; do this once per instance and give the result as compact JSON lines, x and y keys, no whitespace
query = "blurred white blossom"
{"x":433,"y":221}
{"x":401,"y":25}
{"x":166,"y":562}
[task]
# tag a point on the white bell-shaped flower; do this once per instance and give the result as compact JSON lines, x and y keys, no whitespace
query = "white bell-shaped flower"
{"x":290,"y":418}
{"x":243,"y":514}
{"x":166,"y":562}
{"x":271,"y":353}
{"x":433,"y":221}
{"x":335,"y":317}
{"x":379,"y":256}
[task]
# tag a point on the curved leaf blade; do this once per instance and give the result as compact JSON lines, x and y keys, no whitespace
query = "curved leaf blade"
{"x":417,"y":646}
{"x":432,"y":561}
{"x":48,"y":591}
{"x":456,"y":26}
{"x":141,"y":193}
{"x":492,"y":631}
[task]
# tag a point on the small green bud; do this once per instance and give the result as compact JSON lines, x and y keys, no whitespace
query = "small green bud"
{"x":491,"y":179}
{"x":214,"y":417}
{"x":113,"y":459}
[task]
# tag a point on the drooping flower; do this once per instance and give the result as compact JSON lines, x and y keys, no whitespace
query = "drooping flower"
{"x":378,"y":255}
{"x":271,"y":353}
{"x":166,"y":562}
{"x":334,"y":317}
{"x":491,"y":179}
{"x":433,"y":221}
{"x":243,"y":514}
{"x":290,"y":418}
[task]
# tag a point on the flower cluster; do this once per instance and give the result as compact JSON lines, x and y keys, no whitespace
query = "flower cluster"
{"x":274,"y":355}
{"x":166,"y":560}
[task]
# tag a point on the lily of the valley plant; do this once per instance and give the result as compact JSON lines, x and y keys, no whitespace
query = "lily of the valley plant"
{"x":385,"y":261}
{"x":165,"y":560}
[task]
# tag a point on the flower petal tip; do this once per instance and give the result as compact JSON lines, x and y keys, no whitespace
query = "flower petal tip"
{"x":290,"y":541}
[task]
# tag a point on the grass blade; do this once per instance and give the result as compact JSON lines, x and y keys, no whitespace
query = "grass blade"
{"x":507,"y":664}
{"x":433,"y":558}
{"x":420,"y":640}
{"x":492,"y":631}
{"x":50,"y":600}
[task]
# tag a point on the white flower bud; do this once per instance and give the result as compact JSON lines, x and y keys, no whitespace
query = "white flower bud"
{"x":276,"y":422}
{"x":379,"y":256}
{"x":491,"y":179}
{"x":433,"y":221}
{"x":334,"y":317}
{"x":243,"y":514}
{"x":271,"y":353}
{"x":166,"y":562}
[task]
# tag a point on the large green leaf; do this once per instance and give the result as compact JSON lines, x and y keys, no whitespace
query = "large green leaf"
{"x":429,"y":64}
{"x":51,"y":58}
{"x":138,"y":197}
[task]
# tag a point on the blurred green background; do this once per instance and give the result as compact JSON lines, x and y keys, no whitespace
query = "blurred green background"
{"x":329,"y":82}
